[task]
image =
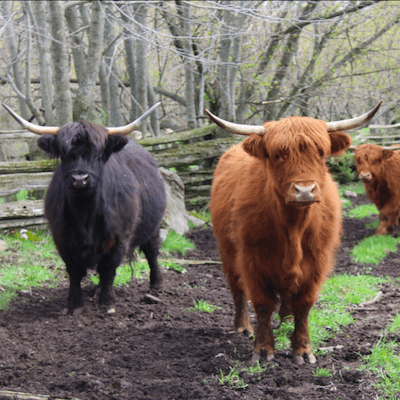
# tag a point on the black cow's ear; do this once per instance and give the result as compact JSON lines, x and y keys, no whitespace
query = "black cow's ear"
{"x":114,"y":144}
{"x":49,"y":144}
{"x":340,"y":142}
{"x":255,"y":146}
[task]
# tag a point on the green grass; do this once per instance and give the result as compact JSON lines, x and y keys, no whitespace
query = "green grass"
{"x":363,"y":211}
{"x":32,"y":260}
{"x":357,"y":187}
{"x":175,"y":243}
{"x":28,"y":263}
{"x":203,"y":306}
{"x":176,"y":267}
{"x":331,"y":312}
{"x":394,"y":326}
{"x":322,"y":372}
{"x":384,"y":361}
{"x":373,"y":249}
{"x":372,"y":225}
{"x":232,"y":379}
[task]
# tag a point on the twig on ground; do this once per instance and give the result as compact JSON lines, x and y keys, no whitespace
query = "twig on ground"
{"x":376,"y":299}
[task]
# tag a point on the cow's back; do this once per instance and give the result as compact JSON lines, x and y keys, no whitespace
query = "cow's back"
{"x":150,"y":189}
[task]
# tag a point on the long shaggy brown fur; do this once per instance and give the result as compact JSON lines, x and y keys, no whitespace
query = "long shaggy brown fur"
{"x":379,"y":169}
{"x":275,"y":252}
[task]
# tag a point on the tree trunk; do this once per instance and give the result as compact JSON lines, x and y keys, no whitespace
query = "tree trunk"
{"x":60,"y":63}
{"x":184,"y":8}
{"x":129,"y":44}
{"x":140,"y":11}
{"x":115,"y":116}
{"x":83,"y":103}
{"x":14,"y":56}
{"x":78,"y":52}
{"x":46,"y":75}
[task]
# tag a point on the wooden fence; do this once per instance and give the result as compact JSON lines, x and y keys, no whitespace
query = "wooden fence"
{"x":192,"y":153}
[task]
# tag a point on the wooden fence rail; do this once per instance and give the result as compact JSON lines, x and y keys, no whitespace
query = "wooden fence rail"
{"x":192,"y":153}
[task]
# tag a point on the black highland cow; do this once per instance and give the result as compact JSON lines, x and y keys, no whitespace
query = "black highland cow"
{"x":105,"y":199}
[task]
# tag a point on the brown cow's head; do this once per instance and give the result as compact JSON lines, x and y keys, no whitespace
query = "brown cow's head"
{"x":369,"y":161}
{"x":293,"y":150}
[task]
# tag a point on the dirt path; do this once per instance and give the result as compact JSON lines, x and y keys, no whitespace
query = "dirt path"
{"x":162,"y":351}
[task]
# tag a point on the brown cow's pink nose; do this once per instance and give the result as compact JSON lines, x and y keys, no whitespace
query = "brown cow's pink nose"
{"x":80,"y":181}
{"x":365,"y":176}
{"x":304,"y":193}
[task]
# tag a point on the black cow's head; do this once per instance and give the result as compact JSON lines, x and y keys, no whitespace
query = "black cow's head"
{"x":83,"y":148}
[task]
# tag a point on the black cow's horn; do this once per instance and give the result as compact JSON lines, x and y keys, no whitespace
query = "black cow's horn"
{"x":124,"y":130}
{"x":346,"y":124}
{"x":41,"y":130}
{"x":260,"y":130}
{"x":38,"y":129}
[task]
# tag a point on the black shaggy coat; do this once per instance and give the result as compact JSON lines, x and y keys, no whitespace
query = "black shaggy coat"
{"x":118,"y":208}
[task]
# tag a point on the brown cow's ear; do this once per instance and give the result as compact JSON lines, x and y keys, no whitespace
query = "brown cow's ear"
{"x":255,"y":146}
{"x":386,"y":154}
{"x":340,"y":142}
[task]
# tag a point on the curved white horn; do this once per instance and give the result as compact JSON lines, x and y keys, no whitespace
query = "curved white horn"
{"x":38,"y":129}
{"x":124,"y":130}
{"x":346,"y":124}
{"x":237,"y":128}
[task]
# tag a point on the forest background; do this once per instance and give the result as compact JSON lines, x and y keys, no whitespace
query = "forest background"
{"x":246,"y":61}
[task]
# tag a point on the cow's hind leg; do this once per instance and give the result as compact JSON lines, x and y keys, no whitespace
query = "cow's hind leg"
{"x":243,"y":323}
{"x":151,"y":250}
{"x":107,"y":269}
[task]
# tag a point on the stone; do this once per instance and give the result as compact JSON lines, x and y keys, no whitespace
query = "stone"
{"x":176,"y":215}
{"x":349,"y":193}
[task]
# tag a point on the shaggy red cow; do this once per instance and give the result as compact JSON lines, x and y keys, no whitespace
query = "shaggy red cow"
{"x":379,"y":169}
{"x":276,"y":216}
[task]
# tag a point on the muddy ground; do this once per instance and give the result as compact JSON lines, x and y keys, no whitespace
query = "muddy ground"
{"x":162,"y":351}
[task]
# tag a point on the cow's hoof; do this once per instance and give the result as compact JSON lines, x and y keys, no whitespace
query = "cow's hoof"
{"x":74,"y":311}
{"x":257,"y":356}
{"x":247,"y":332}
{"x":299,"y":360}
{"x":156,"y":286}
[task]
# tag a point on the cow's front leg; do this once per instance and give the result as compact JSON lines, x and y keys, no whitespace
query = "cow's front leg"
{"x":75,"y":299}
{"x":301,"y":339}
{"x":107,"y":269}
{"x":264,"y":334}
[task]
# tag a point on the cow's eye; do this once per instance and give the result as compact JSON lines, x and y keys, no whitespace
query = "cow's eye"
{"x":277,"y":156}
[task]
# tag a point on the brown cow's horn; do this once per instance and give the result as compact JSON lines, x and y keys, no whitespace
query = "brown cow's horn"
{"x":237,"y":128}
{"x":124,"y":130}
{"x":354,"y":122}
{"x":40,"y":130}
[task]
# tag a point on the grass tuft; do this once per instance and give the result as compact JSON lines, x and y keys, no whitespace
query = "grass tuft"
{"x":373,"y":249}
{"x":203,"y":306}
{"x":176,"y":243}
{"x":362,"y":211}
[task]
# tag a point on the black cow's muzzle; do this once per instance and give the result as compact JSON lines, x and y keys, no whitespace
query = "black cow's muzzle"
{"x":80,"y":181}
